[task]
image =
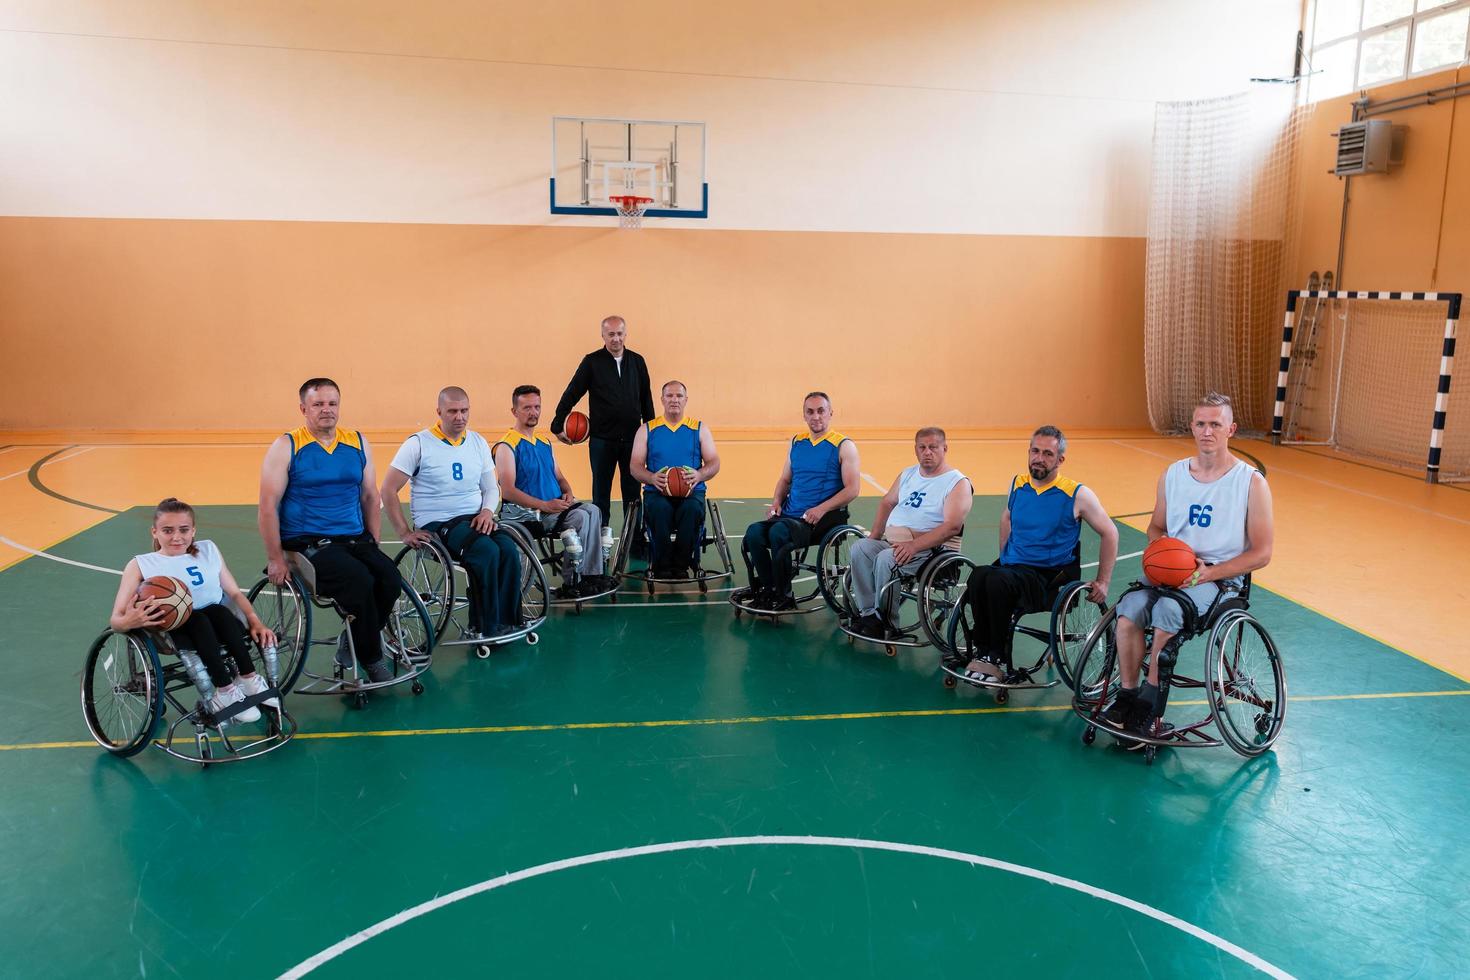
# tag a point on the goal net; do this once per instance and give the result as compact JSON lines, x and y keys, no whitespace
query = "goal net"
{"x":1369,"y":374}
{"x":1221,"y":231}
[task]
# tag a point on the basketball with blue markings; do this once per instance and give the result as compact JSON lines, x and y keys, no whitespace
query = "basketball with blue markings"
{"x":171,"y":595}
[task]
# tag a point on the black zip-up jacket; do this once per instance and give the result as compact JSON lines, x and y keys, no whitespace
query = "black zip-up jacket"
{"x":619,"y":403}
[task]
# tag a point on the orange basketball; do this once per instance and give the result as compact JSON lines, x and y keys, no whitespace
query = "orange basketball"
{"x":680,"y":485}
{"x":173,"y":597}
{"x":577,"y":427}
{"x":1169,"y":561}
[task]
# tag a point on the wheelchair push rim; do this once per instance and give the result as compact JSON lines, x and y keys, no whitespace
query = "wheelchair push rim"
{"x":284,"y":610}
{"x":122,"y":692}
{"x":1249,"y":710}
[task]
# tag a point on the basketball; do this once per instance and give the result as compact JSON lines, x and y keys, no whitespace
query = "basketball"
{"x":577,"y":427}
{"x":173,"y":597}
{"x":1169,"y":561}
{"x":680,"y":484}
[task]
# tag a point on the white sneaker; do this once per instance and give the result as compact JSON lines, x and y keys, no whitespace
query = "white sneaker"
{"x":226,"y":696}
{"x":255,"y":684}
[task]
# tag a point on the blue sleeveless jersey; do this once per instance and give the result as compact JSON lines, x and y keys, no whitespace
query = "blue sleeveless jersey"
{"x":323,"y":486}
{"x":535,"y":466}
{"x":816,"y":472}
{"x":676,"y":445}
{"x":1043,"y":530}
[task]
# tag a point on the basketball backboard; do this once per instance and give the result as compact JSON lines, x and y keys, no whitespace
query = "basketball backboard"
{"x":593,"y":160}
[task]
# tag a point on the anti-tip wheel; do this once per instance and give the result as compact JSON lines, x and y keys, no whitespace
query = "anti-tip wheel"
{"x":483,"y":651}
{"x":532,"y":639}
{"x":417,"y":688}
{"x":890,"y":649}
{"x":1001,"y":697}
{"x":703,"y":587}
{"x":359,"y":700}
{"x":1089,"y":736}
{"x":738,"y":611}
{"x":949,"y":680}
{"x":650,"y":588}
{"x":1149,"y":752}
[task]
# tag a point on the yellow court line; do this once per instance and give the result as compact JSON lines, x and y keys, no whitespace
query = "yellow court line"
{"x":576,"y":726}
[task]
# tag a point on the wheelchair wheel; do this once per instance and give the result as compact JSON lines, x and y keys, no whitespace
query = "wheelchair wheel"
{"x":410,"y":628}
{"x":957,"y":633}
{"x":122,"y":692}
{"x":1247,"y":685}
{"x":717,"y":532}
{"x":429,"y":571}
{"x":1073,"y":619}
{"x":535,"y":593}
{"x":1096,"y":679}
{"x":833,"y":562}
{"x":632,"y":527}
{"x":286,"y":612}
{"x":941,"y":589}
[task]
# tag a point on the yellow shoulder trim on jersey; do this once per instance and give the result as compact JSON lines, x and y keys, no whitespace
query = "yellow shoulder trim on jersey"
{"x":348,"y":437}
{"x":658,"y":423}
{"x":1068,"y":487}
{"x":512,"y":438}
{"x":302,"y":437}
{"x":299,"y":438}
{"x":542,"y":437}
{"x":438,"y":432}
{"x":690,"y":423}
{"x":834,"y":437}
{"x":1020,"y":481}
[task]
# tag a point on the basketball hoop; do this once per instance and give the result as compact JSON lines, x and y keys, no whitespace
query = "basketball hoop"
{"x":630,"y":209}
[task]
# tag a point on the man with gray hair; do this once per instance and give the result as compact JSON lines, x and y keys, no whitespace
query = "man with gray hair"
{"x":925,"y":509}
{"x":1040,"y":533}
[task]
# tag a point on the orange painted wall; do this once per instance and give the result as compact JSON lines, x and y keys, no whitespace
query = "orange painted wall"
{"x":168,"y":324}
{"x":1409,"y":228}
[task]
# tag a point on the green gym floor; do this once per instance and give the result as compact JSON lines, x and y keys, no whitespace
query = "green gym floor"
{"x":747,"y":799}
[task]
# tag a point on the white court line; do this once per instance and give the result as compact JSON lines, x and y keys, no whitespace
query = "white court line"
{"x":1131,"y":554}
{"x":65,"y":561}
{"x":433,"y":905}
{"x":874,"y":483}
{"x":59,"y":459}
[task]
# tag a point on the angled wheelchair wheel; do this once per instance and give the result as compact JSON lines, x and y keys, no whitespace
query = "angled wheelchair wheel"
{"x":535,"y":592}
{"x":1246,"y":683}
{"x":1096,"y":680}
{"x":632,"y":528}
{"x":410,"y":630}
{"x":833,"y":562}
{"x":1073,"y":618}
{"x":957,"y":633}
{"x":122,"y":692}
{"x":941,"y":590}
{"x":285,"y":610}
{"x":429,"y":572}
{"x":717,"y":532}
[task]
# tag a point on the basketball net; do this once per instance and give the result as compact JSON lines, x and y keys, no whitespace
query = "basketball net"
{"x":630,"y":209}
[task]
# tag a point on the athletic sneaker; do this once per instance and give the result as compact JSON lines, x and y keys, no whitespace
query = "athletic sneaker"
{"x":1123,"y":708}
{"x":782,"y":603}
{"x":226,"y":696}
{"x":255,"y":684}
{"x":344,"y":650}
{"x":378,"y":671}
{"x":869,"y":625}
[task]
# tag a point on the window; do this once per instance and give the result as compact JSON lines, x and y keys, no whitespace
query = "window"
{"x":1356,"y":44}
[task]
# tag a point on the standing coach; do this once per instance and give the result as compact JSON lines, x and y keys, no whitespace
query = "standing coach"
{"x":621,"y":401}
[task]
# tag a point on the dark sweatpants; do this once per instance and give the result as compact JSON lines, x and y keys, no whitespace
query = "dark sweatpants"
{"x":360,"y":579}
{"x":493,"y":563}
{"x":995,"y":592}
{"x":768,"y":545}
{"x":607,"y":455}
{"x":214,"y":632}
{"x":679,"y":516}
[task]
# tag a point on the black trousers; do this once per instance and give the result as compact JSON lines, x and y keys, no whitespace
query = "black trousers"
{"x":493,"y":563}
{"x":606,"y":456}
{"x":677,"y":516}
{"x":995,"y":592}
{"x":768,"y":546}
{"x":213,"y":632}
{"x":362,"y":580}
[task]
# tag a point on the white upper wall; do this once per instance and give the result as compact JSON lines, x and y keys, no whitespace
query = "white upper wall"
{"x":944,"y":116}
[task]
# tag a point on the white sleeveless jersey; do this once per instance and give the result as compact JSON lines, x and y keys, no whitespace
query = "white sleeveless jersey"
{"x":199,"y":572}
{"x":447,"y":481}
{"x":1209,"y":517}
{"x":921,"y":499}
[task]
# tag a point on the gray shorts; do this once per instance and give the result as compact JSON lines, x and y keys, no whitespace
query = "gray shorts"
{"x":1165,"y":613}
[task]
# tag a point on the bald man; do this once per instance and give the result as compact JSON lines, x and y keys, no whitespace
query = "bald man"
{"x":621,"y":400}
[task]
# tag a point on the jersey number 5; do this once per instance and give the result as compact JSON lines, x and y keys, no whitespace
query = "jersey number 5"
{"x":194,"y":577}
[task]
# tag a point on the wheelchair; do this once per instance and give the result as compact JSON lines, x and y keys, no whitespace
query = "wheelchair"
{"x":1072,"y":616}
{"x":933,"y":589}
{"x":434,"y":577}
{"x":711,"y":532}
{"x":550,"y":553}
{"x":825,"y":576}
{"x":1244,"y":680}
{"x":131,"y":679}
{"x":287,"y":609}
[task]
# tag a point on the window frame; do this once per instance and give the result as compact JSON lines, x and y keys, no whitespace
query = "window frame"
{"x":1356,"y":38}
